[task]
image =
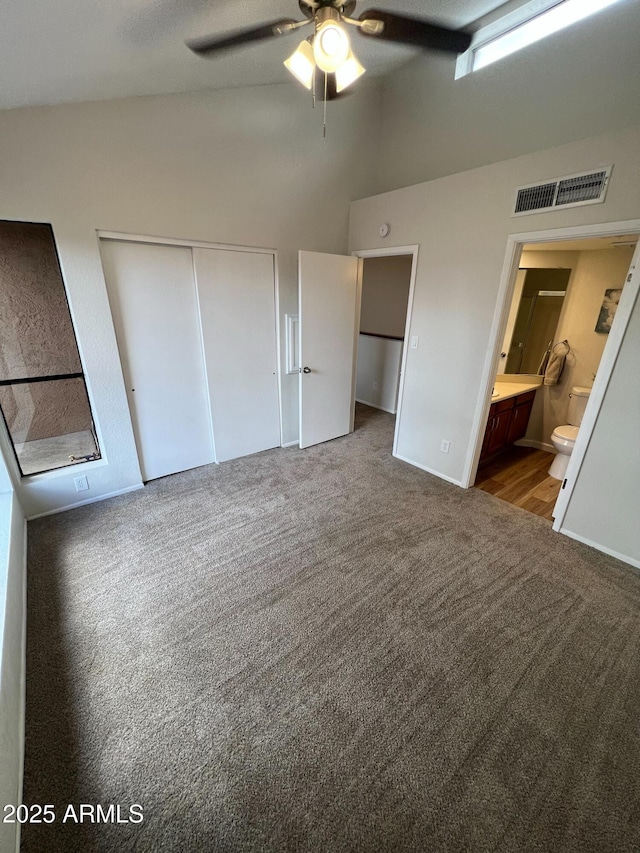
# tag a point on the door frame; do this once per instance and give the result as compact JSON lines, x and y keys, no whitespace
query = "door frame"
{"x":515,"y":244}
{"x":203,"y":244}
{"x":387,"y":252}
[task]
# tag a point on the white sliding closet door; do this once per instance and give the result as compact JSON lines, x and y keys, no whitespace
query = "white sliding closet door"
{"x":236,"y":291}
{"x":154,"y":306}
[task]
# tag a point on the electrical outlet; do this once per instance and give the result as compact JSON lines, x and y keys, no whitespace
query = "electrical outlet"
{"x":375,"y":386}
{"x":445,"y":445}
{"x":82,"y":484}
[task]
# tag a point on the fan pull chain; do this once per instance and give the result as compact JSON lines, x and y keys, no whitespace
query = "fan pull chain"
{"x":324,"y":113}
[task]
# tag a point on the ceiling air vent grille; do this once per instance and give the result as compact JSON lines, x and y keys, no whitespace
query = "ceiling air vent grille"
{"x":570,"y":191}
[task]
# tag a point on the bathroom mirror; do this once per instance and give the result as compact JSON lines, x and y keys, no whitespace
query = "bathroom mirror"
{"x":533,"y":319}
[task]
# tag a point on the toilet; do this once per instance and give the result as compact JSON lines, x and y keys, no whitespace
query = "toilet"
{"x":563,"y":437}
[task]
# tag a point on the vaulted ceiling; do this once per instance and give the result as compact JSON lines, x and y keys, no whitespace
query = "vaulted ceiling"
{"x":74,"y":50}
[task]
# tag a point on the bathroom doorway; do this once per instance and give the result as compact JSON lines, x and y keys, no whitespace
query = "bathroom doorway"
{"x":386,"y":300}
{"x":563,"y":304}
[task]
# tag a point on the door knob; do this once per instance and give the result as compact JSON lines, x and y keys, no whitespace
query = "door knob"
{"x":306,"y":370}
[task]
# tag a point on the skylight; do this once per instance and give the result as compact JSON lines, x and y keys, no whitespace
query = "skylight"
{"x":531,"y":23}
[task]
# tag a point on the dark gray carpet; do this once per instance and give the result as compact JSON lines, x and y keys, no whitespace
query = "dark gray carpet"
{"x":329,"y":650}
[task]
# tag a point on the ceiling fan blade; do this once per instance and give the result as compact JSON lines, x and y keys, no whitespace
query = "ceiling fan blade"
{"x":209,"y":45}
{"x":416,"y":31}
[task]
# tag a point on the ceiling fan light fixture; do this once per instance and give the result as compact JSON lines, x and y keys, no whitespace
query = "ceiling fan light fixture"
{"x":331,"y":46}
{"x":301,"y":63}
{"x":348,"y":72}
{"x":328,"y":50}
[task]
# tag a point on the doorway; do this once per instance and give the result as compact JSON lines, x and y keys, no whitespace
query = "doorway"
{"x":386,"y":301}
{"x":594,"y":270}
{"x":329,"y":304}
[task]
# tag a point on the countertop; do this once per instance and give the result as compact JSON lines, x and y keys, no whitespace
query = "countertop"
{"x":504,"y":390}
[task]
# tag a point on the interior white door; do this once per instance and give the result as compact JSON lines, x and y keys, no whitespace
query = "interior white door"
{"x":153,"y":302}
{"x":328,"y":287}
{"x":236,"y":291}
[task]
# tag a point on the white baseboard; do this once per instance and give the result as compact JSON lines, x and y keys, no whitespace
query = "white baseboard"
{"x":85,"y":502}
{"x":539,"y":445}
{"x":429,"y":470}
{"x":295,"y":443}
{"x":632,"y":561}
{"x":375,"y":406}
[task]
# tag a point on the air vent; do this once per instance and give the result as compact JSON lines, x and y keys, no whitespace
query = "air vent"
{"x":570,"y":191}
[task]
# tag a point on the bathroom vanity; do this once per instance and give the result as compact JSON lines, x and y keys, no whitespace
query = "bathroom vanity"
{"x":511,"y":405}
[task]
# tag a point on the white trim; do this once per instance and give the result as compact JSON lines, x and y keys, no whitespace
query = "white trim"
{"x":515,"y":244}
{"x":383,"y":253}
{"x":605,"y":550}
{"x":356,"y":337}
{"x":375,"y":406}
{"x":437,"y":474}
{"x":88,"y":501}
{"x":390,"y":252}
{"x":300,"y":316}
{"x":278,"y":364}
{"x":294,"y":443}
{"x":175,"y":241}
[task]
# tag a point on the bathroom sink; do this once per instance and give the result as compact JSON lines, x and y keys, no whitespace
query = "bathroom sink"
{"x":503,"y":390}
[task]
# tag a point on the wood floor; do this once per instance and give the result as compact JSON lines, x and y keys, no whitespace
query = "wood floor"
{"x":519,"y":476}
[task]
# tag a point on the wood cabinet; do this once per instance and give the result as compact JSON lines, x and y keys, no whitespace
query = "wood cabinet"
{"x":507,"y":423}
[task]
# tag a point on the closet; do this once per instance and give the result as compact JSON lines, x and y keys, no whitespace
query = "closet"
{"x":196,"y":331}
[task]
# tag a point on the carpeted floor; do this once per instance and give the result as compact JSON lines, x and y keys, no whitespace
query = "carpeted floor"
{"x":329,"y":650}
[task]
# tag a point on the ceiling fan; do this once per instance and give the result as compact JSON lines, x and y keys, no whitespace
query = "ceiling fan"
{"x":327,"y":51}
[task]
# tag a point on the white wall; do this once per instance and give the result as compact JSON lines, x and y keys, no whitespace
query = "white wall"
{"x":241,"y":167}
{"x":12,"y":658}
{"x":593,"y":272}
{"x":462,"y":223}
{"x":5,"y":480}
{"x":378,"y":372}
{"x":580,"y":82}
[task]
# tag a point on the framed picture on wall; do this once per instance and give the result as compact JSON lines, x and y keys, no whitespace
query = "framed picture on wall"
{"x":608,"y":310}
